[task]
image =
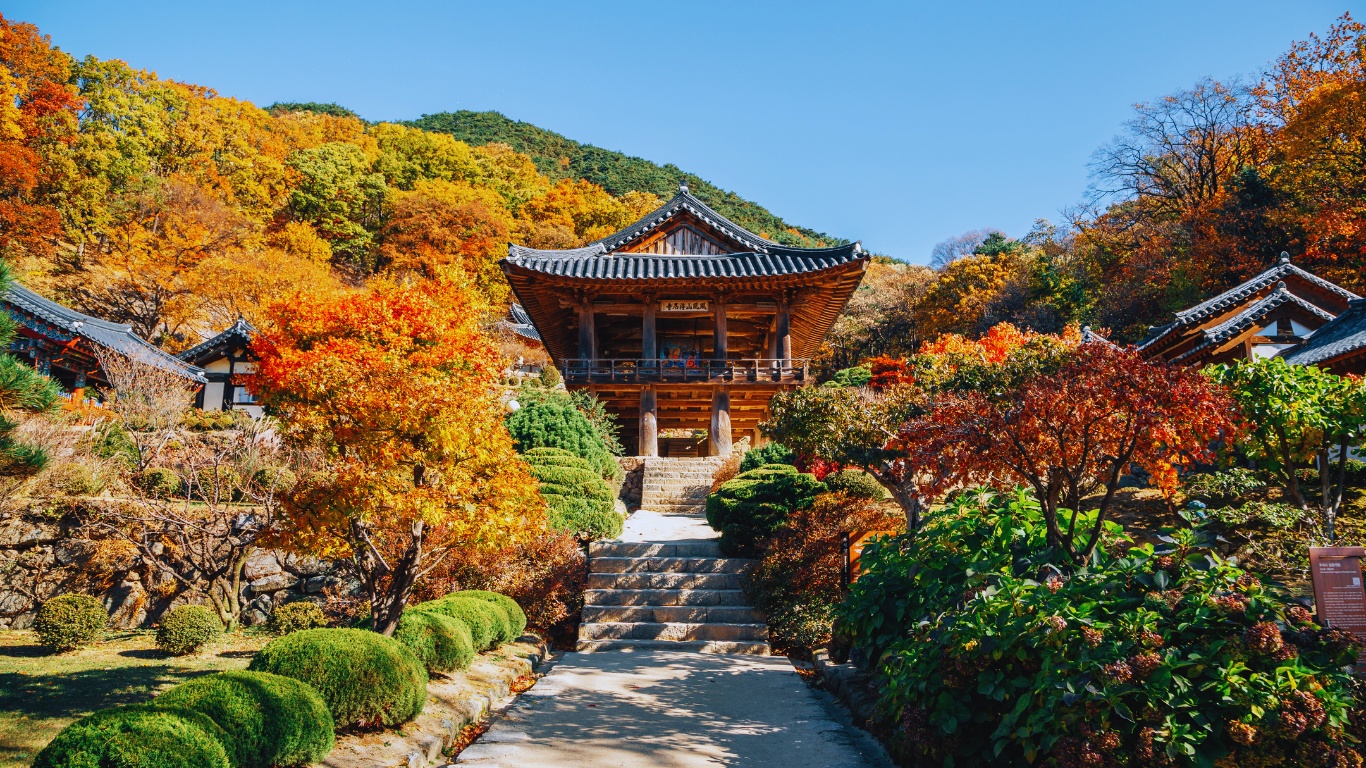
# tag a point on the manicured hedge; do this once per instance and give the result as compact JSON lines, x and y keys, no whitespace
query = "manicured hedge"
{"x":442,"y":643}
{"x":139,"y":736}
{"x":187,"y":628}
{"x":773,"y":453}
{"x":855,"y":483}
{"x":487,"y":622}
{"x":578,"y":499}
{"x":558,"y":424}
{"x":268,"y":719}
{"x":753,"y":504}
{"x":67,"y":622}
{"x":293,"y":617}
{"x":366,"y":679}
{"x":514,"y":611}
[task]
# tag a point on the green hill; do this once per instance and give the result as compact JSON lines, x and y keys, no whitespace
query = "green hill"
{"x":559,"y":157}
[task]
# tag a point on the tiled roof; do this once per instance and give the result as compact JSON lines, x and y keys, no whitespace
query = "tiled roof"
{"x":113,"y":336}
{"x":1239,"y":293}
{"x":519,"y":322}
{"x":1254,"y":313}
{"x":1345,"y":334}
{"x":238,"y":331}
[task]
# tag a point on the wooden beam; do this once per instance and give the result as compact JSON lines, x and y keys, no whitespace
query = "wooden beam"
{"x":718,"y":436}
{"x":649,"y":423}
{"x":588,"y":341}
{"x":718,"y":344}
{"x":649,"y":342}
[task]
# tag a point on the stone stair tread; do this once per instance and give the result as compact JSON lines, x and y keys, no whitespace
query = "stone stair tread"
{"x":691,"y":565}
{"x":665,"y":597}
{"x":672,"y":630}
{"x":664,"y":581}
{"x":749,"y":648}
{"x":706,"y":614}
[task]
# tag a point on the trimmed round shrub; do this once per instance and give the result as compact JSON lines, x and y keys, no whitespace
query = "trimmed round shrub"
{"x":188,"y":628}
{"x":268,"y":719}
{"x":554,"y":457}
{"x":586,"y":521}
{"x":773,"y":453}
{"x":480,"y":616}
{"x":578,"y":500}
{"x":274,"y":479}
{"x":218,"y":484}
{"x":366,"y":679}
{"x":514,"y":611}
{"x":751,"y":506}
{"x":442,"y":643}
{"x":139,"y":736}
{"x":855,"y":483}
{"x":558,"y":424}
{"x":159,"y":482}
{"x":68,"y":622}
{"x":293,"y":617}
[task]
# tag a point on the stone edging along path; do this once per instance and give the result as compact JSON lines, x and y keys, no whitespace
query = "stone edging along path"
{"x":453,"y":703}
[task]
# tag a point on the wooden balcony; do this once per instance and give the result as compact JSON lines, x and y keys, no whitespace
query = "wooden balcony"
{"x":625,"y":371}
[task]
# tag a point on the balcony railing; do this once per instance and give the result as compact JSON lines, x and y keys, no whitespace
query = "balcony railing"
{"x":626,"y":371}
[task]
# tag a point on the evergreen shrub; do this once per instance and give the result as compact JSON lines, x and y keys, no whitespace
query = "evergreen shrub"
{"x":367,"y":680}
{"x":855,"y":483}
{"x":138,"y":736}
{"x":187,"y":628}
{"x":513,"y":609}
{"x":72,"y":621}
{"x":750,"y":507}
{"x":558,"y":424}
{"x":579,"y":501}
{"x":487,"y":623}
{"x":267,"y":719}
{"x":1222,"y":487}
{"x":773,"y":453}
{"x":296,"y":616}
{"x":442,"y":643}
{"x":159,"y":482}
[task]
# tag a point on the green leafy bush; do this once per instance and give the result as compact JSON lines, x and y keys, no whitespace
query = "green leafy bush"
{"x":991,"y":655}
{"x":855,"y":483}
{"x":267,"y":719}
{"x":367,"y":680}
{"x":585,"y":520}
{"x":442,"y":643}
{"x":556,"y":423}
{"x":187,"y":628}
{"x":140,"y":736}
{"x":111,"y":441}
{"x":1222,"y":487}
{"x":857,"y":376}
{"x":297,"y":616}
{"x":579,"y":501}
{"x":1269,"y":513}
{"x":751,"y":506}
{"x":773,"y":453}
{"x":68,"y":622}
{"x":514,"y":611}
{"x":218,"y":484}
{"x":275,"y":480}
{"x":158,"y":482}
{"x":77,"y":478}
{"x":488,"y":623}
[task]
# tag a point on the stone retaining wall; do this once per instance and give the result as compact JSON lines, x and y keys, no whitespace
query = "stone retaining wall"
{"x":633,"y":469}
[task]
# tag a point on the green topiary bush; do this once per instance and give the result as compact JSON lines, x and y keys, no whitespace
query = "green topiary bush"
{"x":188,"y":628}
{"x":442,"y":643}
{"x":749,"y":507}
{"x":268,"y":719}
{"x":558,"y":424}
{"x":140,"y":736}
{"x":855,"y":483}
{"x":480,"y":616}
{"x":579,"y":501}
{"x":159,"y":482}
{"x":367,"y":680}
{"x":514,"y":611}
{"x":773,"y":453}
{"x":293,"y":617}
{"x":68,"y":622}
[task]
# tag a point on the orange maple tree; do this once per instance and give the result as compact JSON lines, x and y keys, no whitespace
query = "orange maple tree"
{"x":391,"y":387}
{"x":1071,"y":434}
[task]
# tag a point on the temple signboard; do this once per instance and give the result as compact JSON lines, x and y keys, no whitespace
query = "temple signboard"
{"x":853,"y":552}
{"x":1339,"y":595}
{"x":684,"y":305}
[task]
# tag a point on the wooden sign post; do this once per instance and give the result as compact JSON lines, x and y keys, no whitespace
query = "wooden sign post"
{"x":1339,"y":595}
{"x":853,"y":552}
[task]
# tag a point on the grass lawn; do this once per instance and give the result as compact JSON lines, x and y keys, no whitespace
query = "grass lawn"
{"x":41,"y":693}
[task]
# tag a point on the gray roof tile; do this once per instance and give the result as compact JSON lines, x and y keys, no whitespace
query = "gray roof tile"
{"x":1345,"y":334}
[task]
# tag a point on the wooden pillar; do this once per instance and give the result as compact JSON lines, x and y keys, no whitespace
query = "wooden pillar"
{"x":784,"y":333}
{"x":649,"y":338}
{"x":756,"y":439}
{"x":718,"y":343}
{"x":588,"y":341}
{"x":718,"y":437}
{"x":649,"y":422}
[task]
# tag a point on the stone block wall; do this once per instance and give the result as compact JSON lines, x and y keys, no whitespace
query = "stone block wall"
{"x":633,"y":469}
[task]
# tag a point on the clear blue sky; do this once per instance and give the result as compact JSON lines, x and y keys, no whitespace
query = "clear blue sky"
{"x":899,"y":124}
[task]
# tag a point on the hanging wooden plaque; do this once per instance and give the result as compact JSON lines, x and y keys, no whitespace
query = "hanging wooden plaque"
{"x":684,"y":305}
{"x":1339,"y":595}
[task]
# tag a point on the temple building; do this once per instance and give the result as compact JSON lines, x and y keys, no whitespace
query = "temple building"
{"x":227,"y":363}
{"x":1339,"y":346}
{"x":1272,"y":314}
{"x":684,"y":320}
{"x":67,"y":345}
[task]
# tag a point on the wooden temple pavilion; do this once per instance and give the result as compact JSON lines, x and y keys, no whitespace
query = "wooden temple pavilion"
{"x":684,"y":320}
{"x":1272,"y":314}
{"x":228,"y":365}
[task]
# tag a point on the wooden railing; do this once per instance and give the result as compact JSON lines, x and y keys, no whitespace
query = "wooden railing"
{"x":626,"y":371}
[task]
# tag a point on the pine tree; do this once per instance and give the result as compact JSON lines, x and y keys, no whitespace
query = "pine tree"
{"x":22,"y":390}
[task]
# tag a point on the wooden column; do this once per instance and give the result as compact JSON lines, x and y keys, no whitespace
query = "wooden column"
{"x":588,"y":341}
{"x":718,"y":437}
{"x":718,"y":343}
{"x":784,"y":333}
{"x":649,"y":422}
{"x":649,"y":338}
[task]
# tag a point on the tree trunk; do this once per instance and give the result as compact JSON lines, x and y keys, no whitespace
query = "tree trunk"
{"x":387,"y":602}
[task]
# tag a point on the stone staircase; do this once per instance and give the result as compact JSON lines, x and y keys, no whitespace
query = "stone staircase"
{"x":674,"y":594}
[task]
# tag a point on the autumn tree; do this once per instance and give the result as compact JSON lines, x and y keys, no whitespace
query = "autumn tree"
{"x":393,"y":386}
{"x":443,"y":224}
{"x":1070,"y":435}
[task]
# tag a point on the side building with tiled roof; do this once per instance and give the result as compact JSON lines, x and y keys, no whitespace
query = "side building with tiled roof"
{"x":684,"y":320}
{"x":228,"y":365}
{"x":1339,"y":346}
{"x":1272,"y":314}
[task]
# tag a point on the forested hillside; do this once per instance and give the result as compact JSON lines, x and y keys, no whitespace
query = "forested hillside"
{"x":559,"y":157}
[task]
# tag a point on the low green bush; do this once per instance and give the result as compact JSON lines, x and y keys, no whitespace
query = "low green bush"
{"x":188,"y":628}
{"x":268,"y":719}
{"x":367,"y":680}
{"x":442,"y":643}
{"x":514,"y":611}
{"x":1222,"y":487}
{"x":480,"y":616}
{"x":1272,"y":514}
{"x":855,"y":483}
{"x":218,"y":484}
{"x":578,"y":500}
{"x":68,"y":622}
{"x":585,"y":520}
{"x":159,"y":482}
{"x":77,"y":478}
{"x":749,"y":507}
{"x":773,"y":453}
{"x":554,"y":457}
{"x":275,"y":480}
{"x":139,"y":736}
{"x":293,"y":617}
{"x":557,"y":423}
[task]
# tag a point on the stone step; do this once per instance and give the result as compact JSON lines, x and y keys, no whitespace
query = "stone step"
{"x":665,"y":581}
{"x":654,"y":549}
{"x":671,"y":508}
{"x":675,"y":631}
{"x":691,"y":614}
{"x":669,"y":565}
{"x":665,"y":597}
{"x":749,"y":648}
